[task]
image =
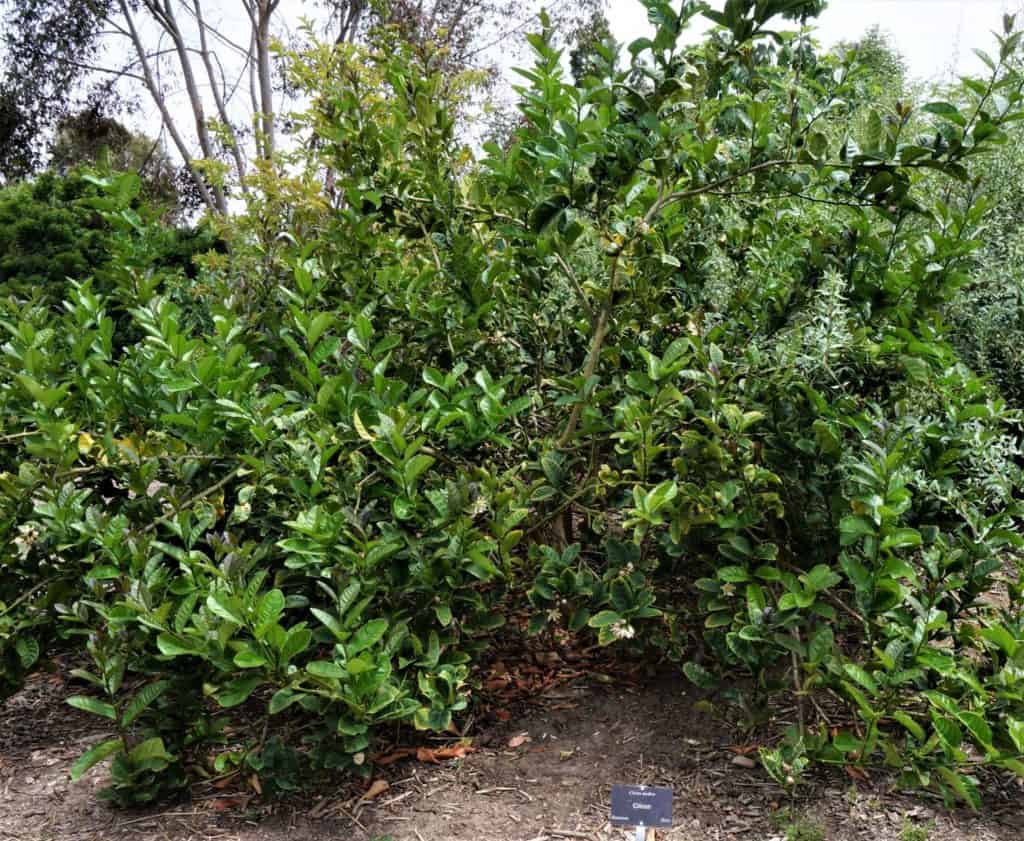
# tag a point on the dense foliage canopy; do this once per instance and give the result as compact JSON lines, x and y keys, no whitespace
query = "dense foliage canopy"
{"x":671,"y":366}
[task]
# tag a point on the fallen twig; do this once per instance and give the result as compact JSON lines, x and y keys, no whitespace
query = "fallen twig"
{"x":496,"y":789}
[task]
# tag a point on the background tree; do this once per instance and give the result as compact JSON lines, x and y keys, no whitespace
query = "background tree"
{"x":882,"y":70}
{"x":217,"y":92}
{"x":50,"y":50}
{"x":92,"y":140}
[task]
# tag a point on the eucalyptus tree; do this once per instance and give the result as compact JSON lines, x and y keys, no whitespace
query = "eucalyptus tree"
{"x":208,"y":69}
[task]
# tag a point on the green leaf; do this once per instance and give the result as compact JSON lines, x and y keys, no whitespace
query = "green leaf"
{"x":27,"y":650}
{"x":317,"y":326}
{"x":978,"y":728}
{"x":604,"y":619}
{"x":297,"y":641}
{"x":149,"y":750}
{"x":249,"y":658}
{"x":661,"y":496}
{"x":330,"y":621}
{"x":1015,"y":728}
{"x":325,"y":669}
{"x":238,"y":691}
{"x":93,"y":705}
{"x":998,"y":635}
{"x":1011,"y":764}
{"x":901,"y":539}
{"x":699,"y":676}
{"x":224,"y":607}
{"x":965,"y":788}
{"x":415,"y":466}
{"x":861,"y":676}
{"x":433,"y":377}
{"x":283,"y":699}
{"x":915,"y":729}
{"x":270,"y":607}
{"x":366,"y":636}
{"x":93,"y":756}
{"x":852,"y":528}
{"x":945,"y":110}
{"x":821,"y":645}
{"x":820,"y":578}
{"x":172,"y":645}
{"x":947,"y":730}
{"x":142,"y":699}
{"x":721,"y":619}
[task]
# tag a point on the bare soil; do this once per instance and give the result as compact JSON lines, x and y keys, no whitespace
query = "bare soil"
{"x":570,"y":744}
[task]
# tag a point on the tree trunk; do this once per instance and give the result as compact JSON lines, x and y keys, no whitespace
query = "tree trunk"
{"x":218,"y":96}
{"x":165,"y":16}
{"x":264,"y":11}
{"x":172,"y":129}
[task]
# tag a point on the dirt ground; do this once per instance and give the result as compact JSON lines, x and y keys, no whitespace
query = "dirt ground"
{"x":570,"y":745}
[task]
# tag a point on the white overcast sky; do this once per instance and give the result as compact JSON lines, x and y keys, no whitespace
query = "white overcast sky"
{"x":934,"y":36}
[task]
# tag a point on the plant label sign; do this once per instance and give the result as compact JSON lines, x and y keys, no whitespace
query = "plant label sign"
{"x":641,"y":806}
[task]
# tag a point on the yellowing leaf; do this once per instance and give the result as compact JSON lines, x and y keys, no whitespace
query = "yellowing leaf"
{"x":377,"y":788}
{"x":362,"y":431}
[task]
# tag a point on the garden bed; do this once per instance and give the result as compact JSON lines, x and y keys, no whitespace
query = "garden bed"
{"x":541,"y":776}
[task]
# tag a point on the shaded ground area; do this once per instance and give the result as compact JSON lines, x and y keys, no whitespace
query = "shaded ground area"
{"x":543,"y":775}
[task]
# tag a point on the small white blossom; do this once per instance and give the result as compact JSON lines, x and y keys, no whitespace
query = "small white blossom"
{"x":27,"y":536}
{"x":622,"y":630}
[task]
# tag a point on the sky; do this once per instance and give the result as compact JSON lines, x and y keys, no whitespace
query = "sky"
{"x":936,"y":37}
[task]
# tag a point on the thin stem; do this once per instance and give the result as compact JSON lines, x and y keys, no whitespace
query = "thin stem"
{"x":594,"y":354}
{"x":28,"y":594}
{"x":192,"y":501}
{"x":569,"y":273}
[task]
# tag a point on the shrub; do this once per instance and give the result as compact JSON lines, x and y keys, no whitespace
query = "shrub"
{"x":672,"y":358}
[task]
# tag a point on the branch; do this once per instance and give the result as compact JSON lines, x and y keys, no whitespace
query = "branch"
{"x":217,"y":98}
{"x":680,"y":195}
{"x":170,"y":25}
{"x":594,"y":354}
{"x":95,"y":68}
{"x":575,"y":282}
{"x":192,"y":501}
{"x":165,"y":114}
{"x":17,"y":436}
{"x":28,"y":594}
{"x":216,"y":33}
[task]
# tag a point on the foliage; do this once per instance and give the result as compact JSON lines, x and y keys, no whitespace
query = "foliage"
{"x":49,"y":233}
{"x":59,"y":229}
{"x":912,"y":832}
{"x":88,"y":138}
{"x":671,"y":358}
{"x":47,"y":48}
{"x":988,"y":316}
{"x":884,"y":71}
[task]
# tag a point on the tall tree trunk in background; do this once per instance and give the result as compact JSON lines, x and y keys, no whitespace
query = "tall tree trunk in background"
{"x":351,"y":16}
{"x":208,"y":198}
{"x":219,"y":96}
{"x":163,"y":13}
{"x":260,"y":13}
